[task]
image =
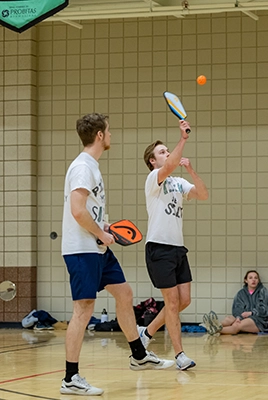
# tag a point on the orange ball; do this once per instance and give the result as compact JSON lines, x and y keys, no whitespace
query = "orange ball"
{"x":201,"y":80}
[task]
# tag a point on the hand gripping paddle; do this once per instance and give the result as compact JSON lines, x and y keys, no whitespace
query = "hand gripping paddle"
{"x":124,"y":233}
{"x":176,"y":107}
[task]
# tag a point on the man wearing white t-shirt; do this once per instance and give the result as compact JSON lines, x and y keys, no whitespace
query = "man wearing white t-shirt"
{"x":166,"y":256}
{"x":93,"y":267}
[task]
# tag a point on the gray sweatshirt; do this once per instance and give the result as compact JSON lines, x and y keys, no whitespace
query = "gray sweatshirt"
{"x":257,"y":302}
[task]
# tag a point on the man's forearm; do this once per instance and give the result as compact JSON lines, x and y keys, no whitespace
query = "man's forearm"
{"x":175,"y":156}
{"x":85,"y":220}
{"x":201,"y":189}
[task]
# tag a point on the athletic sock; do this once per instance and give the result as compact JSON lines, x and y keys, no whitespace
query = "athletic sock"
{"x":71,"y":370}
{"x":137,"y":348}
{"x":147,"y":334}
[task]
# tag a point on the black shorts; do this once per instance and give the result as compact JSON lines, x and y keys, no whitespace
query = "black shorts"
{"x":167,"y":265}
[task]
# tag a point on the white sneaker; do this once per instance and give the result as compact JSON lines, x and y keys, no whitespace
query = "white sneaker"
{"x":214,"y":321}
{"x":144,"y":338}
{"x":183,"y":362}
{"x":211,"y":330}
{"x":151,"y":361}
{"x":80,"y":386}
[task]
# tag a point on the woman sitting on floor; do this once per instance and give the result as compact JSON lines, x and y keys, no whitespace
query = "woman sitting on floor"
{"x":250,"y":310}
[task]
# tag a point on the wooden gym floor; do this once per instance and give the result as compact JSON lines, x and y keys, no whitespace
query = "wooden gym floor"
{"x":228,"y":367}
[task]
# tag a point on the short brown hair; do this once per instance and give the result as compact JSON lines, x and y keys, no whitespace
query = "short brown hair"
{"x":251,"y":271}
{"x":149,"y":153}
{"x":88,"y":126}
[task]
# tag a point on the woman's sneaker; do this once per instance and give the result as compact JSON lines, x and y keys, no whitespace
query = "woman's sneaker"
{"x":214,"y":321}
{"x":80,"y":386}
{"x":211,"y":330}
{"x":151,"y":361}
{"x":184,"y":362}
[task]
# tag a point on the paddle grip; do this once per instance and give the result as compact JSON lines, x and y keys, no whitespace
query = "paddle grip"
{"x":188,"y":131}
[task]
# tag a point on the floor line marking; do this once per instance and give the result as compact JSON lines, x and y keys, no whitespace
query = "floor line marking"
{"x":30,"y":376}
{"x":28,"y":395}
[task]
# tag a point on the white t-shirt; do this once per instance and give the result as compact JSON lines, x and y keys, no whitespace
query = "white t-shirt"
{"x":83,"y":173}
{"x":164,"y":207}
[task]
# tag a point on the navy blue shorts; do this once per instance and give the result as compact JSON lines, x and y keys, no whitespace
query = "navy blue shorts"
{"x":167,"y":265}
{"x":91,"y":272}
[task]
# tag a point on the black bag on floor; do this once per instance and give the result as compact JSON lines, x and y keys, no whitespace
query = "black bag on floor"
{"x":109,"y":326}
